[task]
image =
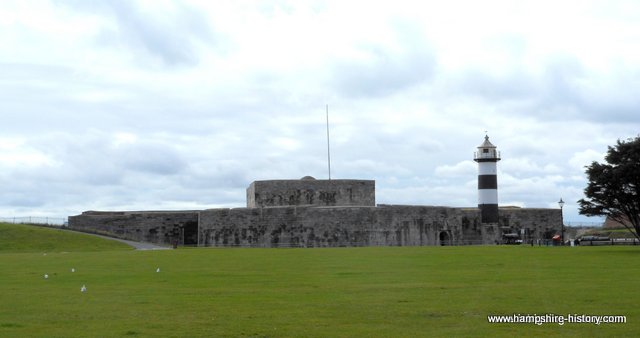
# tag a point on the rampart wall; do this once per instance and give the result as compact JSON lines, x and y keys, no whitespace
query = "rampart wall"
{"x":385,"y":225}
{"x":338,"y":226}
{"x":162,"y":227}
{"x":366,"y":226}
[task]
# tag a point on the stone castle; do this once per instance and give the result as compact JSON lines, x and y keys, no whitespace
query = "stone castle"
{"x":332,"y":213}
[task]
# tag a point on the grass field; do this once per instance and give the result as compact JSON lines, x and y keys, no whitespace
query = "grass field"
{"x":31,"y":238}
{"x":337,"y":292}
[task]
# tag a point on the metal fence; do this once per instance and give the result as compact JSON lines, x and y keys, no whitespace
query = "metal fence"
{"x":610,"y":241}
{"x":50,"y":221}
{"x":584,"y":224}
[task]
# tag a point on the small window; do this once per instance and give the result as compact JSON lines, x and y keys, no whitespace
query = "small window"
{"x":486,"y":151}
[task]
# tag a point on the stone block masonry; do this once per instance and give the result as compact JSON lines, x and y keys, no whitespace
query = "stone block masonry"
{"x":387,"y":225}
{"x":530,"y":223}
{"x":310,"y":226}
{"x":162,"y":227}
{"x":309,"y":191}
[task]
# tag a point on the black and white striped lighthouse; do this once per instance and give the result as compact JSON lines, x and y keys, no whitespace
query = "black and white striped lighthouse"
{"x":487,"y":158}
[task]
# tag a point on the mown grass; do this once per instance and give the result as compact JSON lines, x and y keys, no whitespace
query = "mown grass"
{"x":338,"y":292}
{"x":30,"y":238}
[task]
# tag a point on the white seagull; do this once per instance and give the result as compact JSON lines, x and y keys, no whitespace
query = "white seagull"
{"x":158,"y":270}
{"x":46,"y":276}
{"x":83,"y":289}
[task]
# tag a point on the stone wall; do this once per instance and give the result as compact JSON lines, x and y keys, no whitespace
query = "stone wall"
{"x":311,"y":192}
{"x":312,"y":226}
{"x":343,"y":226}
{"x":162,"y":227}
{"x":536,"y":223}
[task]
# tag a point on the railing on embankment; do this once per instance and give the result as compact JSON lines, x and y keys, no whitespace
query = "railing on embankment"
{"x":36,"y":220}
{"x":611,"y":241}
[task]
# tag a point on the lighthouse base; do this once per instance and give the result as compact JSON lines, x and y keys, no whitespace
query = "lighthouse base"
{"x":488,"y":213}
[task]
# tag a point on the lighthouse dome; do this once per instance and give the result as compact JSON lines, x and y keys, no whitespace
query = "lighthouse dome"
{"x":486,"y":143}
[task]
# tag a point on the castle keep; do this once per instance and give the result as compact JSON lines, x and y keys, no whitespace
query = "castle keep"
{"x":309,"y":191}
{"x":330,"y":213}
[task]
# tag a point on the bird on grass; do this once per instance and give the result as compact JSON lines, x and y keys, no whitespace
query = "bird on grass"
{"x":158,"y":270}
{"x":73,"y":270}
{"x":46,"y":276}
{"x":83,"y":289}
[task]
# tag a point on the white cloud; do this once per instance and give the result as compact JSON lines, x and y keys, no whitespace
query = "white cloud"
{"x":15,"y":154}
{"x":584,"y":158}
{"x":461,"y":169}
{"x":147,"y":105}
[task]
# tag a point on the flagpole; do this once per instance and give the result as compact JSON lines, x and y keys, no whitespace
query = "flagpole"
{"x":328,"y":144}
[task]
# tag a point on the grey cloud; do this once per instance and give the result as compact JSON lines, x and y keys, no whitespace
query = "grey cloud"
{"x":559,"y":86}
{"x":171,"y":39}
{"x":24,"y":200}
{"x":88,"y":169}
{"x":430,"y":146}
{"x":159,"y":159}
{"x":221,"y":173}
{"x":572,"y":92}
{"x":384,"y":75}
{"x":37,"y":98}
{"x":563,"y":90}
{"x":556,"y":85}
{"x":615,"y":101}
{"x":388,"y":71}
{"x":491,"y":87}
{"x":21,"y":194}
{"x":94,"y":158}
{"x":270,"y":8}
{"x":22,"y":72}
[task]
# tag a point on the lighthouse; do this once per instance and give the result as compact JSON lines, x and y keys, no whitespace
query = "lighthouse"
{"x":487,"y":158}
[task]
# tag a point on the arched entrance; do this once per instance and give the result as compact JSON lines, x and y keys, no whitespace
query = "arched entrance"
{"x":445,"y":239}
{"x":190,"y":233}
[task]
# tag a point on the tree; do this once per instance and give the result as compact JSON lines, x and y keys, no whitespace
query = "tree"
{"x":614,"y":187}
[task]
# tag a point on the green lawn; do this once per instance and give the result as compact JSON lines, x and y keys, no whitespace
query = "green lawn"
{"x":30,"y":238}
{"x":337,"y":292}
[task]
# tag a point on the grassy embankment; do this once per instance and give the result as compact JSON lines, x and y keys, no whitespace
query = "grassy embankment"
{"x":611,"y":233}
{"x":377,"y":291}
{"x":30,"y":238}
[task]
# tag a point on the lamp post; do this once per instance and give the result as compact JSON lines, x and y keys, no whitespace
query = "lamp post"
{"x":561,"y":204}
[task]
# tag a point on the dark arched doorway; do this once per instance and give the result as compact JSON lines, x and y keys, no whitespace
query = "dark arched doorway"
{"x":190,"y":233}
{"x":445,"y":239}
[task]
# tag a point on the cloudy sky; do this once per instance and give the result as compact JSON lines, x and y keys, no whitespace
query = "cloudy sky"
{"x":135,"y":105}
